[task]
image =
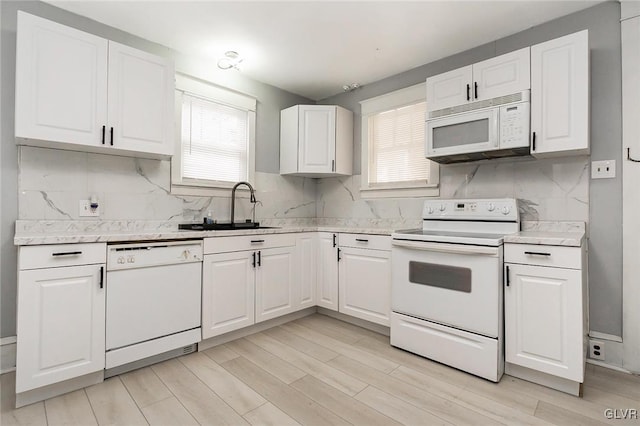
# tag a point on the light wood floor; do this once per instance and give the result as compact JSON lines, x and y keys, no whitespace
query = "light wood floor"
{"x":320,"y":371}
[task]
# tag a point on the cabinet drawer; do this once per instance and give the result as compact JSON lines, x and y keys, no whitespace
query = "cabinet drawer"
{"x":374,"y":242}
{"x":214,"y":245}
{"x":54,"y":255}
{"x":533,"y":254}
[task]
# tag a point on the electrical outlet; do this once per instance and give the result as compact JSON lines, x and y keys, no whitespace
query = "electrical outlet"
{"x":605,"y":169}
{"x":596,"y":350}
{"x":85,"y":209}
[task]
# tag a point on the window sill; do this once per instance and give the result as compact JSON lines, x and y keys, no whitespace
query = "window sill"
{"x":415,"y":192}
{"x":202,"y":191}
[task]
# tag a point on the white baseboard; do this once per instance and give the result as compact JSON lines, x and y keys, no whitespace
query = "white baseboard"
{"x":609,"y":366}
{"x":7,"y":354}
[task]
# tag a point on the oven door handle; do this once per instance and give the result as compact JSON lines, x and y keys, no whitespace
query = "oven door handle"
{"x":447,"y":248}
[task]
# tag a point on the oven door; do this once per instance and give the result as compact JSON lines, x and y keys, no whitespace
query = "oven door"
{"x":463,"y":133}
{"x":451,"y":284}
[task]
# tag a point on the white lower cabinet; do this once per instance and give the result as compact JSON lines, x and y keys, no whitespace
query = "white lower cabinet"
{"x":365,"y":284}
{"x":227,"y":292}
{"x":275,"y":283}
{"x":61,"y":314}
{"x":327,"y":259}
{"x":306,"y":270}
{"x":545,"y":314}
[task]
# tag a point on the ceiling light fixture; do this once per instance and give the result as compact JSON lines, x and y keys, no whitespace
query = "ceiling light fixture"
{"x":231,"y":60}
{"x":351,"y":87}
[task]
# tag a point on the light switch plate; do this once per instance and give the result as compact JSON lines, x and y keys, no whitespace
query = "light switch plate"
{"x":85,"y":209}
{"x":605,"y":169}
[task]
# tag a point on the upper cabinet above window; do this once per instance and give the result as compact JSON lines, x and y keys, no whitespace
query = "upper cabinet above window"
{"x":316,"y":141}
{"x":81,"y":92}
{"x":495,"y":77}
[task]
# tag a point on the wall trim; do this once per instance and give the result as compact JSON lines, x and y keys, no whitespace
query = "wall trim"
{"x":605,"y":336}
{"x":7,"y":354}
{"x":609,"y":366}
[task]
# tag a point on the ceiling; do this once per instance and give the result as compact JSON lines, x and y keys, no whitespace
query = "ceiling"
{"x":313,"y":48}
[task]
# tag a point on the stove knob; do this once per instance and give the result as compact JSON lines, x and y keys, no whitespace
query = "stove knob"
{"x":443,"y":207}
{"x":491,"y":207}
{"x":430,"y":210}
{"x":506,"y":210}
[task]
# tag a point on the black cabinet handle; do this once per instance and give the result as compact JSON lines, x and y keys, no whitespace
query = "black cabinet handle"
{"x":334,"y":239}
{"x":537,"y":253}
{"x":67,"y":253}
{"x":533,"y":142}
{"x":338,"y":255}
{"x":111,"y":132}
{"x":253,"y":263}
{"x":506,"y":278}
{"x":102,"y":277}
{"x":259,"y":259}
{"x":104,"y":128}
{"x":257,"y":241}
{"x":475,"y":89}
{"x":468,"y":92}
{"x":362,"y":240}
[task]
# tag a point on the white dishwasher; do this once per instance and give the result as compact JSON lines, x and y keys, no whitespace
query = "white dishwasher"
{"x":153,"y":301}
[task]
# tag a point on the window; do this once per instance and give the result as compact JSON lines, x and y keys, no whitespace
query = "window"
{"x":216,"y":134}
{"x":393,"y":143}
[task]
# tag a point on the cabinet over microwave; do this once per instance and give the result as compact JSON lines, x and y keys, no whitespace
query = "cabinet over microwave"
{"x":493,"y":128}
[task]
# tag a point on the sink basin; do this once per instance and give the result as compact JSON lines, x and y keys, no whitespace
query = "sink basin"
{"x":222,"y":226}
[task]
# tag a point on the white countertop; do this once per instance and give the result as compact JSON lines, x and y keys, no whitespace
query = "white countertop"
{"x":96,"y":235}
{"x":550,"y":238}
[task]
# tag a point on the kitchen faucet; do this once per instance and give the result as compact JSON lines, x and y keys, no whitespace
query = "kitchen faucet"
{"x":252,"y":199}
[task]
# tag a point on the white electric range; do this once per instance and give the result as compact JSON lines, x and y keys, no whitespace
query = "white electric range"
{"x":446,"y":292}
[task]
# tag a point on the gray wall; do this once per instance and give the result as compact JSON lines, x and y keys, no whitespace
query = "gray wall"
{"x":270,"y":101}
{"x":605,"y":210}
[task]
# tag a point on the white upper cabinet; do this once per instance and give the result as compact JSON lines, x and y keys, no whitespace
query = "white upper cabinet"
{"x":503,"y":75}
{"x":449,"y":89}
{"x":316,"y":141}
{"x":78,"y":91}
{"x":61,"y":83}
{"x":560,"y":96}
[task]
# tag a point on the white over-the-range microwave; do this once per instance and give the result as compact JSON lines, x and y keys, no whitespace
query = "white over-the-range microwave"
{"x":492,"y":128}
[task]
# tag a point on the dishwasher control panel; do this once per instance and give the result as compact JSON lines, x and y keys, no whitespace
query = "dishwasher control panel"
{"x":140,"y":255}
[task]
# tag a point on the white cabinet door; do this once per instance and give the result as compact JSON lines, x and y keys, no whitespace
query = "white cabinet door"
{"x":449,"y":89}
{"x":503,"y":75}
{"x":306,"y":267}
{"x":227,"y":292}
{"x":61,"y":83}
{"x":61,"y":325}
{"x":544,"y":320}
{"x":560,"y":96}
{"x":365,"y":284}
{"x":327,"y":259}
{"x":317,"y":139}
{"x":275,"y":281}
{"x":141,"y":90}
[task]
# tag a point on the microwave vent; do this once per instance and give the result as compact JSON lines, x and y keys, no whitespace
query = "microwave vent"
{"x":487,"y":103}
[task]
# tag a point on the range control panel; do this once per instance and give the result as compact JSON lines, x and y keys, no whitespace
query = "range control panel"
{"x":499,"y":209}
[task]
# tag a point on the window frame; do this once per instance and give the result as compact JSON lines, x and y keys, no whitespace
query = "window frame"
{"x":221,"y":95}
{"x":392,"y":100}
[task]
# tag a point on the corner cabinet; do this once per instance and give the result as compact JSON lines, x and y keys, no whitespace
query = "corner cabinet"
{"x":61,"y":313}
{"x":316,"y":141}
{"x":545,"y":314}
{"x":560,"y":96}
{"x":81,"y":92}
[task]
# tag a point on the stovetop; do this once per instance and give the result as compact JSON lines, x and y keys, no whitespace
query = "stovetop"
{"x":438,"y":236}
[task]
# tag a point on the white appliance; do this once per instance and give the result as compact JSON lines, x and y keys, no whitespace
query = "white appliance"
{"x":153,"y":299}
{"x":492,"y":128}
{"x":446,"y":291}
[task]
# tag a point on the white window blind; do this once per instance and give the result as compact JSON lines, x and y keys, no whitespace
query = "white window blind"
{"x":396,"y":146}
{"x":214,"y":141}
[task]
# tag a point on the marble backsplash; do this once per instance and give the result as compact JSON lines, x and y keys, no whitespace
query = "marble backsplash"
{"x":548,"y":190}
{"x":51,"y":183}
